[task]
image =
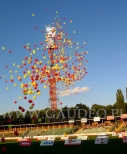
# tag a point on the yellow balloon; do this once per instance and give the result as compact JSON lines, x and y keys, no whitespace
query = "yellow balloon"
{"x":30,"y":88}
{"x":34,"y":51}
{"x":28,"y":72}
{"x":44,"y":87}
{"x":3,"y":48}
{"x":34,"y":97}
{"x":39,"y":93}
{"x":29,"y":92}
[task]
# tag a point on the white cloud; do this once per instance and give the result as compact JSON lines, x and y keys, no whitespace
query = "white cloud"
{"x":74,"y":91}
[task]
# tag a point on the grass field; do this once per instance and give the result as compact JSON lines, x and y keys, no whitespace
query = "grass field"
{"x":88,"y":147}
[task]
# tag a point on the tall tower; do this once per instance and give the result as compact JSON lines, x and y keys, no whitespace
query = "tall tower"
{"x":50,"y":39}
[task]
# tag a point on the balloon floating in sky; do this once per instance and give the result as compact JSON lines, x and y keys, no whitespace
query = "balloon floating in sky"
{"x":65,"y":63}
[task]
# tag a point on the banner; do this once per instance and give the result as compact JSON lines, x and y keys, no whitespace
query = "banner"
{"x":22,"y":139}
{"x":83,"y":120}
{"x":101,"y":141}
{"x":110,"y":117}
{"x":71,"y":121}
{"x":51,"y":138}
{"x":25,"y":143}
{"x":123,"y":116}
{"x":47,"y":143}
{"x":125,"y":139}
{"x":82,"y":137}
{"x":72,"y":142}
{"x":96,"y":119}
{"x":64,"y":138}
{"x":121,"y":135}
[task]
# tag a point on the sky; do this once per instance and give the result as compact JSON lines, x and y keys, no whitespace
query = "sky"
{"x":101,"y":24}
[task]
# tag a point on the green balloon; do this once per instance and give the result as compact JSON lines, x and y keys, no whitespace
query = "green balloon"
{"x":9,"y":126}
{"x":39,"y":120}
{"x":31,"y":107}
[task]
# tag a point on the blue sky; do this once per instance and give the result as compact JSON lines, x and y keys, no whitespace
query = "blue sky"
{"x":101,"y":24}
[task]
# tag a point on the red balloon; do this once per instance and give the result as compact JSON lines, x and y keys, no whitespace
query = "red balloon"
{"x":25,"y":58}
{"x":34,"y":118}
{"x":3,"y":149}
{"x":8,"y":121}
{"x":25,"y":85}
{"x":36,"y":59}
{"x":2,"y":139}
{"x":9,"y":51}
{"x":15,"y":102}
{"x":30,"y":101}
{"x":32,"y":67}
{"x":60,"y":103}
{"x":20,"y":107}
{"x":23,"y":110}
{"x":33,"y":104}
{"x":25,"y":97}
{"x":16,"y":133}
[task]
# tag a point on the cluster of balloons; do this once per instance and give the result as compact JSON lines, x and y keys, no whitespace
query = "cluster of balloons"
{"x":63,"y":63}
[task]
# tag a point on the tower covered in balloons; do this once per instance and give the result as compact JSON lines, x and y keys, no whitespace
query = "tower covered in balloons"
{"x":58,"y":65}
{"x":51,"y":46}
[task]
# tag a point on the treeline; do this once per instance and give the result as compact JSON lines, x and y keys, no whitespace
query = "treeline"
{"x":65,"y":114}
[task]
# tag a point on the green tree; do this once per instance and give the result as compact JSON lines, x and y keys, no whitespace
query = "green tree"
{"x":120,"y":105}
{"x":109,"y":109}
{"x":27,"y":117}
{"x":65,"y":112}
{"x":99,"y":110}
{"x":13,"y":117}
{"x":20,"y":117}
{"x":1,"y":119}
{"x":125,"y":106}
{"x":82,"y":111}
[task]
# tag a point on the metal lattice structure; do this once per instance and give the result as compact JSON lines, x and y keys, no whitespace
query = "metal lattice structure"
{"x":53,"y":99}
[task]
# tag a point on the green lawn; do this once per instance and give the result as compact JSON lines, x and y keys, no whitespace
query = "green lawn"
{"x":88,"y":147}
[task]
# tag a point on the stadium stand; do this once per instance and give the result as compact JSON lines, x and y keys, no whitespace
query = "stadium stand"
{"x":33,"y":133}
{"x":124,"y":127}
{"x":96,"y":128}
{"x":10,"y":134}
{"x":60,"y":131}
